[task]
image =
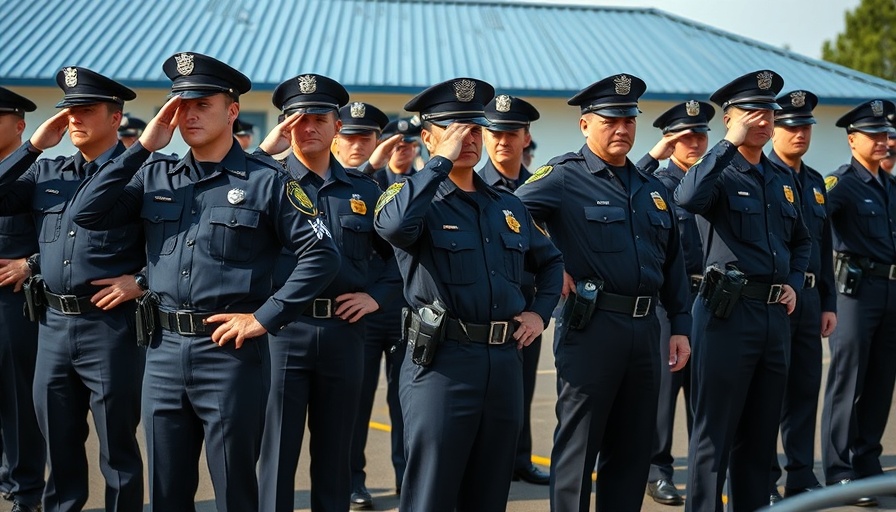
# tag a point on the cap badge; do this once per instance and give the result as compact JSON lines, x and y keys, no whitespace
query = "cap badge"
{"x":71,"y":76}
{"x":658,"y":201}
{"x":788,"y":193}
{"x":464,"y":90}
{"x":358,"y":110}
{"x":307,"y":84}
{"x":692,"y":107}
{"x":512,"y":223}
{"x":184,"y":63}
{"x":877,"y":108}
{"x":236,"y":196}
{"x":358,"y":205}
{"x":402,"y":125}
{"x":124,"y":122}
{"x":502,"y":103}
{"x":764,"y":80}
{"x":798,"y":99}
{"x":623,"y":84}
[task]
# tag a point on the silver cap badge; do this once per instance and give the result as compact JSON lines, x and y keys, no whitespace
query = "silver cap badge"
{"x":877,"y":108}
{"x":358,"y":110}
{"x":764,"y":80}
{"x":692,"y":107}
{"x":307,"y":84}
{"x":623,"y":84}
{"x":502,"y":103}
{"x":71,"y":76}
{"x":236,"y":196}
{"x":184,"y":63}
{"x":798,"y":99}
{"x":464,"y":90}
{"x":402,"y":125}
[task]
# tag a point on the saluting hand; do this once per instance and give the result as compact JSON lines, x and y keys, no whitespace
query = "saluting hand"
{"x":740,"y":124}
{"x":452,"y":141}
{"x":353,"y":306}
{"x":531,"y":326}
{"x":280,"y":138}
{"x":788,"y":298}
{"x":383,"y":152}
{"x":115,"y":291}
{"x":160,"y":129}
{"x":666,"y":146}
{"x":235,"y":326}
{"x":50,"y":132}
{"x":679,"y":352}
{"x":14,"y":272}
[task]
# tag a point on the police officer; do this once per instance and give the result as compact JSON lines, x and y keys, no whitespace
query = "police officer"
{"x":753,"y":233}
{"x":244,"y":132}
{"x":861,"y":203}
{"x":362,"y":124}
{"x":87,"y":355}
{"x":130,"y":129}
{"x":618,"y":237}
{"x":317,"y":365}
{"x":684,"y":141}
{"x":462,"y":247}
{"x":505,"y":139}
{"x":393,"y":159}
{"x":529,"y":154}
{"x":23,"y":447}
{"x":215,"y":222}
{"x":889,"y":162}
{"x":815,"y":314}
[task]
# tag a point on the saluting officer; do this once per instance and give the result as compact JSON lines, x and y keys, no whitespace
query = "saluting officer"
{"x":862,"y":205}
{"x":393,"y":159}
{"x":684,"y":141}
{"x":87,"y":353}
{"x":505,"y":139}
{"x":756,"y":247}
{"x":815,"y":314}
{"x":22,"y":481}
{"x":463,"y":247}
{"x":317,"y":364}
{"x":362,"y":124}
{"x":215,"y":223}
{"x":613,"y":224}
{"x":130,"y":129}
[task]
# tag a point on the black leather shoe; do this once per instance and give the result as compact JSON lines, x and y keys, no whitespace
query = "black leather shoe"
{"x":774,"y":497}
{"x":664,"y":492}
{"x":532,"y":475}
{"x":18,"y":506}
{"x":361,"y":499}
{"x":790,"y":492}
{"x":864,"y":501}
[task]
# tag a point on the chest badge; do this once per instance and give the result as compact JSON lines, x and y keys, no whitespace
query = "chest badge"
{"x":658,"y":201}
{"x":788,"y":193}
{"x":512,"y":223}
{"x":358,"y":205}
{"x":819,"y":197}
{"x":236,"y":196}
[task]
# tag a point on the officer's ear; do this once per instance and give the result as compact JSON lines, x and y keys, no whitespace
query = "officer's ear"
{"x":20,"y":126}
{"x":583,"y":125}
{"x":429,"y":139}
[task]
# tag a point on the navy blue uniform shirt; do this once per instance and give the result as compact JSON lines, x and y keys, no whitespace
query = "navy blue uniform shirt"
{"x":71,"y":257}
{"x":755,"y":216}
{"x":469,"y":250}
{"x":691,"y":244}
{"x":617,"y":228}
{"x":18,"y":237}
{"x":813,"y":199}
{"x":494,"y":178}
{"x":863,"y":213}
{"x":214,"y":231}
{"x":386,"y":178}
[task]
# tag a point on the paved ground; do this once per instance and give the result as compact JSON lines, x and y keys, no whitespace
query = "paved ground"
{"x":523,"y":497}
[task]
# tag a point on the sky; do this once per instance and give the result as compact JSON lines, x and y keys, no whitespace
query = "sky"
{"x":800,"y":25}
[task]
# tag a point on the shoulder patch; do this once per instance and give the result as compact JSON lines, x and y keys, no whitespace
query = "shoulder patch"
{"x":831,"y":182}
{"x":299,"y":199}
{"x":541,"y":172}
{"x":388,"y":195}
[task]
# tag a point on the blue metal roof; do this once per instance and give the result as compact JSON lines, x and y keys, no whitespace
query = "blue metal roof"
{"x":402,"y":46}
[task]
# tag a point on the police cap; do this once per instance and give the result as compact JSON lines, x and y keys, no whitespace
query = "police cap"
{"x":409,"y":127}
{"x":241,"y":127}
{"x":869,"y":117}
{"x":614,"y":96}
{"x":691,"y":115}
{"x":11,"y":102}
{"x":506,"y":113}
{"x":459,"y":100}
{"x":194,"y":75}
{"x":796,"y":108}
{"x":84,"y":87}
{"x":753,"y":91}
{"x":130,"y":126}
{"x":309,"y":94}
{"x":360,"y":117}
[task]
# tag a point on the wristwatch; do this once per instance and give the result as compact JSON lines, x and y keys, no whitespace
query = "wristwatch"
{"x":142,"y":283}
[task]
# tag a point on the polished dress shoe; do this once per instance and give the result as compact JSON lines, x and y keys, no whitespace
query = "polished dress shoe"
{"x":790,"y":492}
{"x":774,"y":496}
{"x":664,"y":492}
{"x":864,"y":501}
{"x":18,"y":506}
{"x":532,"y":475}
{"x":361,"y":499}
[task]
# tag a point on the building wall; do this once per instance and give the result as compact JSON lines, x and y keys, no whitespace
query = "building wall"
{"x":556,"y":132}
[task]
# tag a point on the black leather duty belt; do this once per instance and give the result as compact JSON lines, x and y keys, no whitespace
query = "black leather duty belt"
{"x":637,"y":307}
{"x":186,"y":323}
{"x":492,"y":333}
{"x":769,"y":293}
{"x":69,"y":304}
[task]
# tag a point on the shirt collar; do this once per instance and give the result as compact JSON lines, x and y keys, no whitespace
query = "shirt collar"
{"x":234,"y":163}
{"x":298,"y":170}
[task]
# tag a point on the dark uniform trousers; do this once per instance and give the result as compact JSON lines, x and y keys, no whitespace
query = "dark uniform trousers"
{"x":860,"y":381}
{"x":316,"y":367}
{"x":469,"y":396}
{"x":190,"y":397}
{"x":671,"y":385}
{"x":801,"y":393}
{"x":736,"y":418}
{"x":90,"y":362}
{"x":531,"y":354}
{"x":621,"y":382}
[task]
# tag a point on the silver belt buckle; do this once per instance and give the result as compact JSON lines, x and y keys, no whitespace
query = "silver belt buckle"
{"x":774,"y":293}
{"x":809,"y":281}
{"x":642,"y":306}
{"x":892,"y":276}
{"x":497,"y":333}
{"x":322,"y":308}
{"x":69,"y":305}
{"x":183,"y":323}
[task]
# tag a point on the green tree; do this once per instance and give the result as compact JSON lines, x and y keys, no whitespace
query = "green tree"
{"x":868,"y":43}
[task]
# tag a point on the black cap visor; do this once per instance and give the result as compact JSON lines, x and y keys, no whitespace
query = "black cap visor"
{"x":613,"y":111}
{"x":87,"y":99}
{"x":795,"y":121}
